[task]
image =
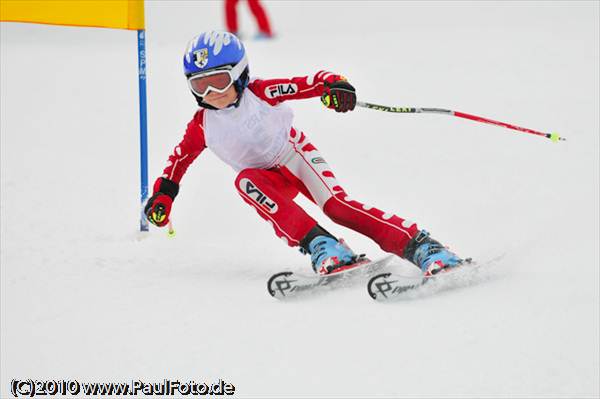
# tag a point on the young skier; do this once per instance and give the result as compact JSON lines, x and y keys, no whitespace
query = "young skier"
{"x":246,"y":123}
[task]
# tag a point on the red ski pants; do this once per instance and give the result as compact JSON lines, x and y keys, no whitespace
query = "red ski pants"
{"x":271,"y":192}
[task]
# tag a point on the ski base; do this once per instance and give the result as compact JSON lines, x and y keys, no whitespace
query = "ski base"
{"x":288,"y":284}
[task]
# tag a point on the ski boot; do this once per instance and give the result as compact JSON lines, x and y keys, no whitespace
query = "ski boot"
{"x":429,"y":255}
{"x":326,"y":253}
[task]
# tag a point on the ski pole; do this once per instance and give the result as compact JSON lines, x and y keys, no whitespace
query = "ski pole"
{"x":552,"y":136}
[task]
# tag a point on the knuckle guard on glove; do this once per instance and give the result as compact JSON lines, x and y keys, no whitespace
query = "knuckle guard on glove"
{"x":158,"y":207}
{"x":340,"y":96}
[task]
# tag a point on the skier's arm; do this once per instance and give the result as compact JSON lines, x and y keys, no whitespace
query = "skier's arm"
{"x":187,"y":150}
{"x":166,"y":187}
{"x":275,"y":91}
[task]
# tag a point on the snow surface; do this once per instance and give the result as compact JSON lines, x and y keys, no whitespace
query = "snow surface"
{"x":83,"y":297}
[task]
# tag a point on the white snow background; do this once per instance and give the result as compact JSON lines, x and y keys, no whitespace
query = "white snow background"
{"x":84,"y":298}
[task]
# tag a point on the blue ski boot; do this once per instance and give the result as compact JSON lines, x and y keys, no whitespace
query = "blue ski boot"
{"x":429,"y":255}
{"x":328,"y":254}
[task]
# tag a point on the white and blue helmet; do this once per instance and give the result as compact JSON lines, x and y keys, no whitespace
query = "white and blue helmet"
{"x":216,"y":50}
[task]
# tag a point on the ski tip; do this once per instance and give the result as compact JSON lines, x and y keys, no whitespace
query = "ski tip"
{"x":374,"y":282}
{"x":271,"y":283}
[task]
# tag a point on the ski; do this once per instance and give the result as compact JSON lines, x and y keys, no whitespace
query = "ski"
{"x":285,"y":285}
{"x":388,"y":286}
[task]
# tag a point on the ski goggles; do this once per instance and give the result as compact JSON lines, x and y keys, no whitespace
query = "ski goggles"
{"x":218,"y":80}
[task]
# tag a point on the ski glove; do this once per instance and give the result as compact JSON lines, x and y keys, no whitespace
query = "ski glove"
{"x":158,"y":207}
{"x":339,"y":95}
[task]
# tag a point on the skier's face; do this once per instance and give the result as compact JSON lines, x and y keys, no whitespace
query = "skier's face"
{"x":221,"y":100}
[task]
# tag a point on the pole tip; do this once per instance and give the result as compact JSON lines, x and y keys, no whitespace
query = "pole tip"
{"x":556,"y":138}
{"x":170,"y":230}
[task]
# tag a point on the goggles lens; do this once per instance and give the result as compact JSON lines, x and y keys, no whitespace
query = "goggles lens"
{"x":218,"y":82}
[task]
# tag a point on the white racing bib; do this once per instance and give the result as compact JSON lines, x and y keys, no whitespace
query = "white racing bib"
{"x":253,"y":135}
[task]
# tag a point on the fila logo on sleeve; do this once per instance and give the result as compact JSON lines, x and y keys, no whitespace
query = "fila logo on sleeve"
{"x":281,"y":90}
{"x":257,"y":196}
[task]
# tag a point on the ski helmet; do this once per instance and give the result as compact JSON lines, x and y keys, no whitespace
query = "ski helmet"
{"x":215,"y":50}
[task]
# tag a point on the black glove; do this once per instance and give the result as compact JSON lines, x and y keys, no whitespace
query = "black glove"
{"x":339,"y":95}
{"x":158,"y":207}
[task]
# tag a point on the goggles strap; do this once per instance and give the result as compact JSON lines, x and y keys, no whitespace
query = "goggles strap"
{"x":237,"y":70}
